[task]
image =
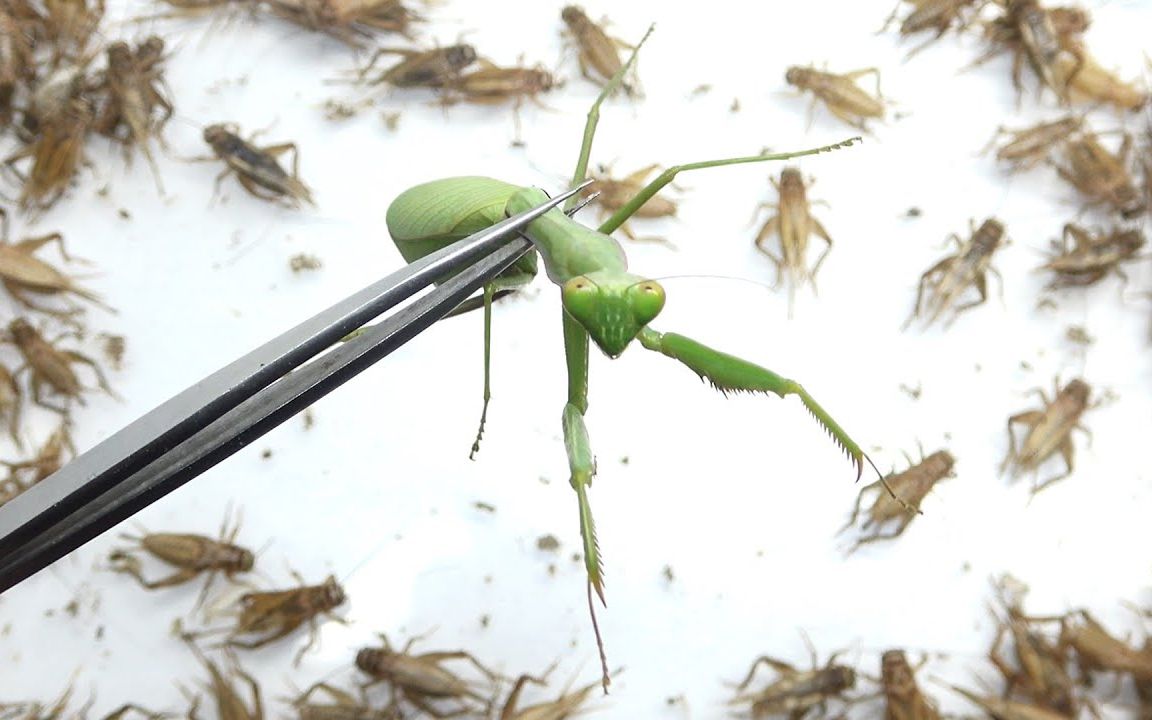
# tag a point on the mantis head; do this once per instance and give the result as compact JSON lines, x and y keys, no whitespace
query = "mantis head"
{"x":612,"y":307}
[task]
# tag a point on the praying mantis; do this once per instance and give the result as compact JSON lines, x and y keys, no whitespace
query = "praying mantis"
{"x":603,"y":302}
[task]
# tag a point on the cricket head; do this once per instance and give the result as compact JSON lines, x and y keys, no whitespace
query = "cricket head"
{"x":612,"y":307}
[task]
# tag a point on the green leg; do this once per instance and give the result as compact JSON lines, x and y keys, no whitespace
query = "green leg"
{"x":489,"y":290}
{"x":621,"y":216}
{"x":582,"y":466}
{"x":728,"y":373}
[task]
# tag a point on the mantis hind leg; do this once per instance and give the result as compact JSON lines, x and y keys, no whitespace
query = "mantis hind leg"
{"x":730,"y":374}
{"x":488,"y":293}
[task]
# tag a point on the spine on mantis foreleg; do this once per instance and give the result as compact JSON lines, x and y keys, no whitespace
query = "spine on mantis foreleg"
{"x":728,"y":373}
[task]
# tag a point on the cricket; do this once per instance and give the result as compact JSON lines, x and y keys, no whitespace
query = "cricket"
{"x":603,"y":303}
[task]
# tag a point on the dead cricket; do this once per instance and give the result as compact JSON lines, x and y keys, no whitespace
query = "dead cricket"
{"x":1047,"y":40}
{"x":22,"y":273}
{"x":1002,"y":709}
{"x":796,"y":692}
{"x":951,"y":277}
{"x":193,"y":555}
{"x":1049,"y":430}
{"x":903,"y":698}
{"x":911,"y":486}
{"x":343,"y":706}
{"x":611,"y":195}
{"x":256,"y":168}
{"x":840,"y":94}
{"x":422,"y":679}
{"x":1040,"y":673}
{"x":1089,"y":257}
{"x":938,"y":15}
{"x":1097,"y":651}
{"x":1031,"y":146}
{"x":55,"y":154}
{"x":275,"y":614}
{"x":229,"y":704}
{"x":1088,"y":81}
{"x":1102,"y":177}
{"x":51,"y":456}
{"x":562,"y":707}
{"x":598,"y":52}
{"x":51,"y":367}
{"x":492,"y":85}
{"x":10,"y":399}
{"x":433,"y":68}
{"x":135,"y":104}
{"x":795,"y":225}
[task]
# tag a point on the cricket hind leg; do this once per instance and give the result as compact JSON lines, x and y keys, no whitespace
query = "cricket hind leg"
{"x":730,"y":374}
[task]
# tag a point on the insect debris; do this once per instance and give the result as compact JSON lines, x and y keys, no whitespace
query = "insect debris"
{"x":795,"y":225}
{"x":433,"y":68}
{"x":796,"y":692}
{"x":597,"y":52}
{"x":1031,"y":146}
{"x":911,"y":487}
{"x":21,"y":272}
{"x":422,"y":680}
{"x":612,"y":195}
{"x":192,"y":554}
{"x":1091,"y":256}
{"x":904,"y":700}
{"x":840,"y":94}
{"x":256,"y":168}
{"x":1049,"y":430}
{"x":51,"y":366}
{"x":276,"y":613}
{"x":951,"y":277}
{"x":1101,"y":176}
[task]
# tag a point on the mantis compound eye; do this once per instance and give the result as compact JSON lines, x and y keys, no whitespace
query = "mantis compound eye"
{"x":647,"y":300}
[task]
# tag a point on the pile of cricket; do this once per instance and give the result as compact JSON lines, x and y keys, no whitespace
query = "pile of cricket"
{"x":64,"y":84}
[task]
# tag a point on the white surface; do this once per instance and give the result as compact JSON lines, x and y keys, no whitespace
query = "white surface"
{"x":740,"y":496}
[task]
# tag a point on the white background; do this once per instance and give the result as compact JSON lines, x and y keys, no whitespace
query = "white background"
{"x":741,"y":497}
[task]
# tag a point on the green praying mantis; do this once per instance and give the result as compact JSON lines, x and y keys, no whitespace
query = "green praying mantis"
{"x":602,"y":300}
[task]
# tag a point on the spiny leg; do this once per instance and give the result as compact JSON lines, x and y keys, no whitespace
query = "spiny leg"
{"x":728,"y":373}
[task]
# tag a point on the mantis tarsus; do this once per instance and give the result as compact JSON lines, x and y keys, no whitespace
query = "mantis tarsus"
{"x":601,"y":300}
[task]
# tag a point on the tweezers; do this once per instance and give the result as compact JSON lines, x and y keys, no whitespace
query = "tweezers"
{"x":232,"y":407}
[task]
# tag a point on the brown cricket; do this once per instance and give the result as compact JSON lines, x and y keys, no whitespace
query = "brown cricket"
{"x":229,"y":704}
{"x":277,"y":613}
{"x":951,"y":277}
{"x":10,"y":399}
{"x":562,"y":707}
{"x":795,"y":225}
{"x":1046,"y":40}
{"x":795,"y":692}
{"x":135,"y":104}
{"x":611,"y":195}
{"x":433,"y":68}
{"x":422,"y":679}
{"x":491,"y":84}
{"x":343,"y":706}
{"x":1031,"y":146}
{"x":1002,"y":709}
{"x":1088,"y":81}
{"x":911,"y":486}
{"x":256,"y":167}
{"x":1097,"y":651}
{"x":1049,"y":431}
{"x":349,"y":21}
{"x":1101,"y":176}
{"x":55,"y":154}
{"x":903,"y":698}
{"x":193,"y":555}
{"x":50,"y":366}
{"x":1089,"y":257}
{"x":51,"y":456}
{"x":598,"y":52}
{"x":22,"y":273}
{"x":1041,"y":673}
{"x":938,"y":15}
{"x":840,"y":94}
